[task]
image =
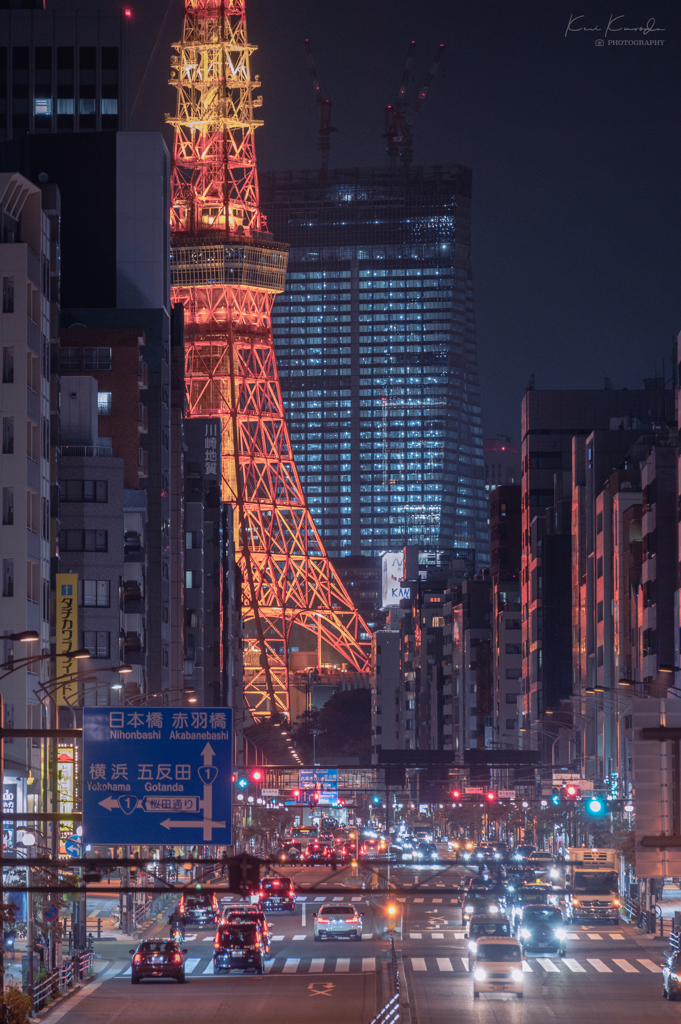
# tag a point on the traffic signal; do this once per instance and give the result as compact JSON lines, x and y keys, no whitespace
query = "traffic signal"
{"x":257,"y":775}
{"x":572,"y":791}
{"x":595,"y":806}
{"x":456,"y":794}
{"x":314,"y":799}
{"x":375,"y":799}
{"x":555,"y":797}
{"x":242,"y":782}
{"x":490,"y":797}
{"x":296,"y":794}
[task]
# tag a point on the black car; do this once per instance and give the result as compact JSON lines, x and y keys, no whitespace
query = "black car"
{"x":200,"y":910}
{"x":479,"y":903}
{"x":238,"y":947}
{"x":526,"y":895}
{"x":277,"y":893}
{"x":158,"y":959}
{"x":541,"y":927}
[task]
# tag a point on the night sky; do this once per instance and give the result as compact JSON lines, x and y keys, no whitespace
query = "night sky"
{"x":574,"y":149}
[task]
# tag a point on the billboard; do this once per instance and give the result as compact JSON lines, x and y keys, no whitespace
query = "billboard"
{"x":67,"y":630}
{"x":157,"y":775}
{"x":392,"y":566}
{"x":320,"y":780}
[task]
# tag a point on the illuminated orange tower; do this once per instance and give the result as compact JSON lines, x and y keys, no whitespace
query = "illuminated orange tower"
{"x":226,"y":270}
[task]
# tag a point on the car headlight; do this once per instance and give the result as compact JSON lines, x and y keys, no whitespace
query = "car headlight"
{"x":466,"y":856}
{"x":615,"y":903}
{"x":469,"y":909}
{"x":526,"y":933}
{"x":479,"y":974}
{"x":560,"y":933}
{"x":497,"y":856}
{"x":553,"y":873}
{"x":472,"y":946}
{"x":479,"y":856}
{"x":517,"y":975}
{"x":494,"y":909}
{"x":510,"y":888}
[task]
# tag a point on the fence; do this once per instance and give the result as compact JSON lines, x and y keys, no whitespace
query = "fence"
{"x":63,"y":978}
{"x":390,"y":1013}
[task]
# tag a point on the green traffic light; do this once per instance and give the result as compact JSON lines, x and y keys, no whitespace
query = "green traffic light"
{"x":555,"y":800}
{"x":594,"y":806}
{"x":242,"y":782}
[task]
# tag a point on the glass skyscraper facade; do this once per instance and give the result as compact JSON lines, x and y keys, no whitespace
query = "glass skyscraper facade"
{"x":375,"y":342}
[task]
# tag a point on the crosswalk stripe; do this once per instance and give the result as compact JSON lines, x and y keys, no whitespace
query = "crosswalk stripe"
{"x":437,"y":935}
{"x":319,"y":899}
{"x":548,"y":965}
{"x":573,"y":966}
{"x":338,"y":899}
{"x":209,"y":969}
{"x":415,"y":935}
{"x":269,"y":964}
{"x":626,"y":966}
{"x":649,"y":965}
{"x":600,"y":966}
{"x":401,"y":899}
{"x":595,"y":936}
{"x":444,"y":963}
{"x":464,"y":961}
{"x":356,"y":899}
{"x":317,"y":965}
{"x":207,"y":938}
{"x":368,"y":963}
{"x":526,"y":968}
{"x":127,"y":972}
{"x":191,"y":964}
{"x":616,"y":935}
{"x":277,"y":938}
{"x":291,"y":965}
{"x":299,"y":938}
{"x":367,"y":935}
{"x":300,"y":899}
{"x":418,"y":964}
{"x":190,"y":938}
{"x":418,"y":899}
{"x":342,"y":965}
{"x":436,"y":900}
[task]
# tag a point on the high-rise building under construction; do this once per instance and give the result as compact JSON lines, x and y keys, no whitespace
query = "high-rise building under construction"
{"x":375,"y":341}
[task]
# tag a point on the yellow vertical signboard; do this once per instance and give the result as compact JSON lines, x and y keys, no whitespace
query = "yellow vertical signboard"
{"x":67,"y":631}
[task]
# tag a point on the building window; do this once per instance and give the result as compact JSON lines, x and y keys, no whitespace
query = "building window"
{"x":599,"y":567}
{"x":86,"y":490}
{"x":512,"y":698}
{"x":7,"y":506}
{"x":104,"y":403}
{"x":8,"y":364}
{"x":84,"y":540}
{"x":599,"y":656}
{"x":96,"y":594}
{"x":32,"y":441}
{"x":33,"y":582}
{"x":513,"y":673}
{"x":97,"y":643}
{"x":69,"y":360}
{"x":8,"y":435}
{"x":510,"y":723}
{"x":599,"y":612}
{"x":513,"y":624}
{"x":8,"y":577}
{"x":8,"y":294}
{"x":193,"y":540}
{"x":513,"y":649}
{"x":43,"y":105}
{"x":192,"y":579}
{"x":96,"y":358}
{"x":33,"y":511}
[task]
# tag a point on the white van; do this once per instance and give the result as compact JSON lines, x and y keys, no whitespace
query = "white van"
{"x":498,"y":966}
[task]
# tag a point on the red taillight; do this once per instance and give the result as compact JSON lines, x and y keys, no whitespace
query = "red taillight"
{"x":216,"y":942}
{"x":351,"y":920}
{"x":137,"y":959}
{"x":322,"y":920}
{"x":177,"y":958}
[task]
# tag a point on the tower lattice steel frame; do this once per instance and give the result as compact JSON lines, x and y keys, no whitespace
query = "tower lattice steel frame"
{"x":226,"y":270}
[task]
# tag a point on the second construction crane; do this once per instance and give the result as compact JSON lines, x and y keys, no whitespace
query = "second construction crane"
{"x":400,"y":115}
{"x":324,"y":104}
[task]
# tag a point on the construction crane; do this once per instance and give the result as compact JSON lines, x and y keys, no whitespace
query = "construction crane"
{"x":400,"y":115}
{"x":324,"y":104}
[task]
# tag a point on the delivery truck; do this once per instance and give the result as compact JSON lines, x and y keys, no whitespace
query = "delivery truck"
{"x":592,"y":882}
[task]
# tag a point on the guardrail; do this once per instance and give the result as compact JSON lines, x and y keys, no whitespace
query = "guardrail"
{"x":63,"y":978}
{"x":391,"y":1012}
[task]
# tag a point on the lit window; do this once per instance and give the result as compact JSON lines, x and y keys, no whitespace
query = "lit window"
{"x":43,"y":107}
{"x":104,"y":403}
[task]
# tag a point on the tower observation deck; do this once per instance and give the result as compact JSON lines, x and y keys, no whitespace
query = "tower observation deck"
{"x":226,"y":270}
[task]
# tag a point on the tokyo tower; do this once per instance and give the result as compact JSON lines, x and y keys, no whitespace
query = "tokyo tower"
{"x":226,"y":270}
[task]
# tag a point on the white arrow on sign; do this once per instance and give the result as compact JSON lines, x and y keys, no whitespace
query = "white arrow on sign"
{"x":206,"y":825}
{"x":109,"y":803}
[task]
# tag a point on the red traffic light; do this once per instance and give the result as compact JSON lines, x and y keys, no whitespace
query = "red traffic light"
{"x":571,"y":792}
{"x":257,"y":775}
{"x":456,"y":795}
{"x":295,"y":794}
{"x":490,"y":797}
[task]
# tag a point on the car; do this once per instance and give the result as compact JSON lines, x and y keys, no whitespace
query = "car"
{"x":478,"y":903}
{"x":526,"y":894}
{"x":200,"y":909}
{"x":157,"y":958}
{"x":337,"y":920}
{"x":238,"y":946}
{"x":245,"y":913}
{"x":426,"y":853}
{"x":277,"y":893}
{"x":541,"y":927}
{"x":498,"y":967}
{"x":541,"y":861}
{"x":523,"y":852}
{"x":671,"y":976}
{"x":487,"y":926}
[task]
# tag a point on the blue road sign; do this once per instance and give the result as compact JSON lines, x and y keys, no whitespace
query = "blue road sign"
{"x":50,"y":913}
{"x":323,"y":781}
{"x":157,"y":775}
{"x":72,"y":848}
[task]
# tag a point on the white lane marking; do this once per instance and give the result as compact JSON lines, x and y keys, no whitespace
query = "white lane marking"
{"x":356,"y":899}
{"x":650,"y":966}
{"x":207,"y":938}
{"x":317,"y":965}
{"x":526,"y":968}
{"x":127,"y":973}
{"x":342,"y":965}
{"x":303,"y":921}
{"x":464,"y":961}
{"x":291,"y":966}
{"x":444,"y":963}
{"x":210,"y":968}
{"x":190,"y":938}
{"x":459,"y":935}
{"x":319,"y":899}
{"x":418,"y":899}
{"x":572,"y":935}
{"x":415,"y":935}
{"x":338,"y":899}
{"x":418,"y":964}
{"x":600,"y":966}
{"x":368,"y":963}
{"x":616,"y":935}
{"x":626,"y":966}
{"x":401,"y":899}
{"x":548,"y":965}
{"x":573,"y":966}
{"x":595,"y":936}
{"x":367,"y":935}
{"x":191,"y":964}
{"x":300,"y":899}
{"x":277,"y":938}
{"x":299,"y":938}
{"x":269,"y":964}
{"x":436,"y":900}
{"x":437,"y":935}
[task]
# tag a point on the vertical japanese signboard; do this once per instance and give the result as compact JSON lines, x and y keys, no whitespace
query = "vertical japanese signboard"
{"x":67,"y":631}
{"x":157,"y":775}
{"x":9,"y":806}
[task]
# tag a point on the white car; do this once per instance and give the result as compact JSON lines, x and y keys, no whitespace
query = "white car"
{"x":337,"y":921}
{"x":498,"y":966}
